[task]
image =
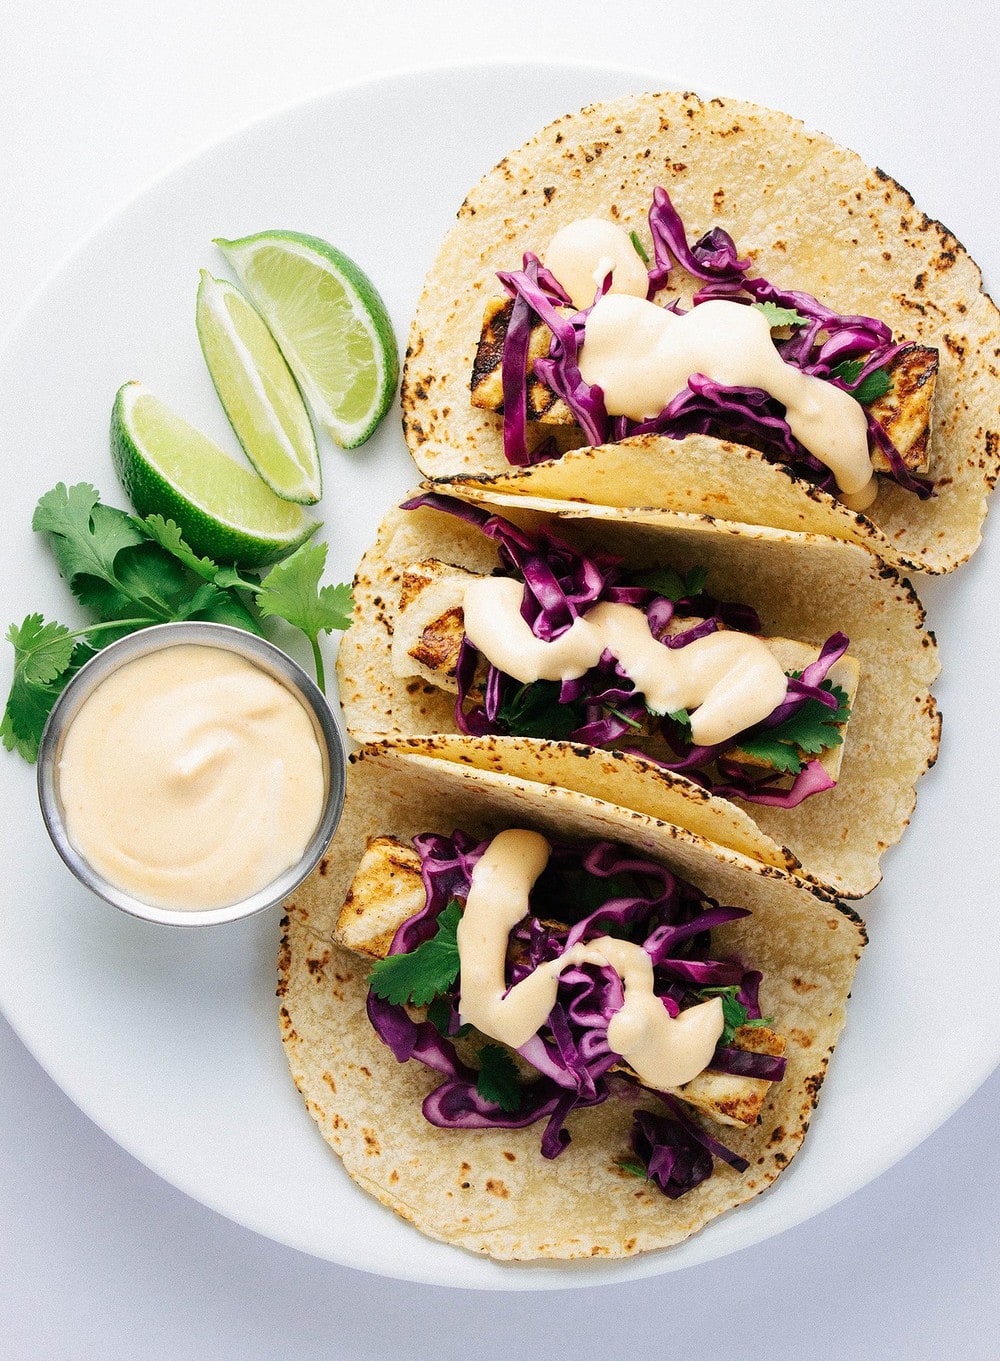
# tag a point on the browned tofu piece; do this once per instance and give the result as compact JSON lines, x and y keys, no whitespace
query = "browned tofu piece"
{"x":905,"y":411}
{"x":430,"y":624}
{"x":487,"y":380}
{"x":729,"y":1099}
{"x":388,"y":888}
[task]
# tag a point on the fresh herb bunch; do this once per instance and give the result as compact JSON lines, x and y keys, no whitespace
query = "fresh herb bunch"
{"x":130,"y":573}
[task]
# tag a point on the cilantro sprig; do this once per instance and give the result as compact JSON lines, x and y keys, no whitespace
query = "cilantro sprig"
{"x":734,"y":1013}
{"x":876,"y":384}
{"x":130,"y":573}
{"x":813,"y":729}
{"x":423,"y":973}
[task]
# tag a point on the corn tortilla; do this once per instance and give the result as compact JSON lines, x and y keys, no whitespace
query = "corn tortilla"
{"x":490,"y":1191}
{"x":815,"y":218}
{"x":803,"y":586}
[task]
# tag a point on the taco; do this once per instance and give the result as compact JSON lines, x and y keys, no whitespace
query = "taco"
{"x":596,"y":1116}
{"x":663,"y":301}
{"x":766,"y":689}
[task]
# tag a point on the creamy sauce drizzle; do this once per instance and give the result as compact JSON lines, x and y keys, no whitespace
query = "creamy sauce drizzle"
{"x":641,"y":355}
{"x":583,"y":253}
{"x":730,"y":680}
{"x":191,"y":779}
{"x":663,"y":1050}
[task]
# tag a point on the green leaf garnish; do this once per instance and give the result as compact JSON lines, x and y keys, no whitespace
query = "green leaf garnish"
{"x":46,"y":657}
{"x":668,"y":582}
{"x":430,"y":969}
{"x":814,"y":729}
{"x":498,"y":1081}
{"x":633,"y":1167}
{"x":534,"y":710}
{"x":168,"y":535}
{"x":875,"y":385}
{"x":639,"y":247}
{"x":43,"y":654}
{"x":734,"y":1013}
{"x":780,"y":316}
{"x":86,"y":535}
{"x":292,"y":591}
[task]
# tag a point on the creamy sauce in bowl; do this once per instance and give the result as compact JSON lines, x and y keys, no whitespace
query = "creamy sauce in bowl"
{"x":189,"y":782}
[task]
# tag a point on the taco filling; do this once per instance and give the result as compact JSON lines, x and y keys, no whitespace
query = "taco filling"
{"x":570,"y":647}
{"x":598,"y":336}
{"x":539,"y":977}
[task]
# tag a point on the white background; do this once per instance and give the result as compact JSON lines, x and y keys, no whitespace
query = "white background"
{"x":100,"y":1259}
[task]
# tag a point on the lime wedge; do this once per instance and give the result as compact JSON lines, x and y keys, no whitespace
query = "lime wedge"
{"x":329,"y":322}
{"x":258,"y":392}
{"x":221,"y":507}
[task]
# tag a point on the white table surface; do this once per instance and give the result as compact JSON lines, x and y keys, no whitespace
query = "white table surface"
{"x":98,"y":1257}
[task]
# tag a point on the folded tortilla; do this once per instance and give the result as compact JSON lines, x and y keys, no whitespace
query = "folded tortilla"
{"x":490,"y":1190}
{"x":814,"y":218}
{"x":803,"y":587}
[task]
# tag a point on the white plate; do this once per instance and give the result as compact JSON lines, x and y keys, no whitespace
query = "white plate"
{"x":168,"y":1039}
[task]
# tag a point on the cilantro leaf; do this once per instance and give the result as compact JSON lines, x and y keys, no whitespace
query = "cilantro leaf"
{"x":780,"y":316}
{"x":421,"y":974}
{"x":875,"y":385}
{"x":734,"y":1013}
{"x":291,"y":591}
{"x":640,"y":249}
{"x":168,"y":535}
{"x":812,"y":730}
{"x":668,"y":582}
{"x":534,"y":710}
{"x":43,"y":654}
{"x":498,"y":1081}
{"x":86,"y":535}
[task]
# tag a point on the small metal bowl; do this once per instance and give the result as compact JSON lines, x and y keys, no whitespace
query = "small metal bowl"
{"x":269,"y":659}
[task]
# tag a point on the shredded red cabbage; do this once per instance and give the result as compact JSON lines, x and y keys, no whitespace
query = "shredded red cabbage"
{"x":821,"y":341}
{"x":602,"y":707}
{"x":676,"y":1151}
{"x":593,"y":890}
